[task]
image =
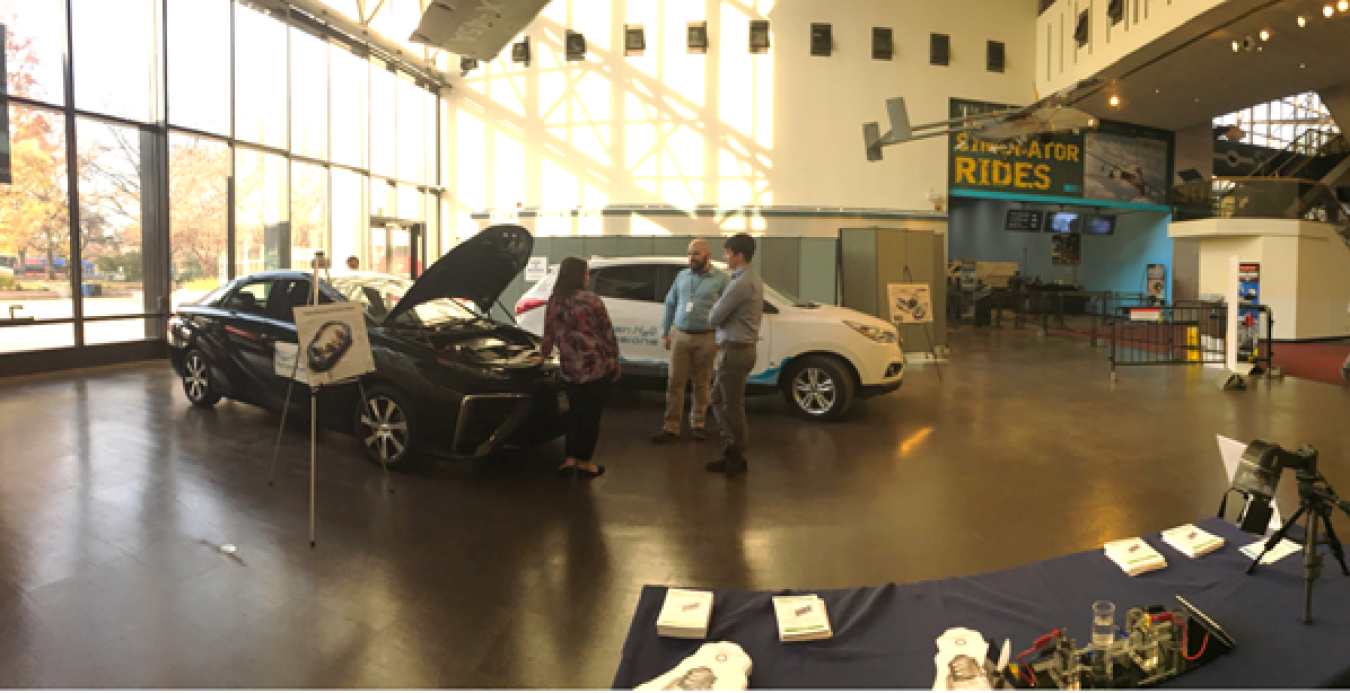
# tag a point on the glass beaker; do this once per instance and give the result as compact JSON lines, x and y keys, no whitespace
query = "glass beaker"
{"x":1103,"y":624}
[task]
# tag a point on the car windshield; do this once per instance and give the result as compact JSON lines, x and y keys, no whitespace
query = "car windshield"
{"x":378,"y":294}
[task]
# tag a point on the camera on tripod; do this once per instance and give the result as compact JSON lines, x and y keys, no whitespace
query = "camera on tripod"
{"x":1254,"y":483}
{"x":1248,"y":503}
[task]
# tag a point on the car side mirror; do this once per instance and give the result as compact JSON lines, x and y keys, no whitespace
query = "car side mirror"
{"x":770,"y":308}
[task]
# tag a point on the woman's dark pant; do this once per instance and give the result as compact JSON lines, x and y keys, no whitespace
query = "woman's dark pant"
{"x":586,"y":403}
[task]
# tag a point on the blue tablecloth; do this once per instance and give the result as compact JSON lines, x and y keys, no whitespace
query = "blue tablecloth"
{"x":884,"y":636}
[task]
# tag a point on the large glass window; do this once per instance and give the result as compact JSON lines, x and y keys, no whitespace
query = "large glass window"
{"x":309,"y":95}
{"x":350,"y":85}
{"x":309,"y":212}
{"x":412,"y":110}
{"x":199,"y":73}
{"x":35,"y":31}
{"x":114,"y":44}
{"x":35,"y":232}
{"x":261,"y":223}
{"x":259,"y":78}
{"x":199,"y":171}
{"x":383,"y":121}
{"x":110,"y":228}
{"x":351,"y":224}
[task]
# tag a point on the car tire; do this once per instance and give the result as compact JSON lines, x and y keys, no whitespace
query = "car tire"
{"x":197,"y":383}
{"x":819,"y":388}
{"x":384,"y":427}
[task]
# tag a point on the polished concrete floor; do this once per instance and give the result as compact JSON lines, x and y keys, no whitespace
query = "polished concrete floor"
{"x":115,"y":494}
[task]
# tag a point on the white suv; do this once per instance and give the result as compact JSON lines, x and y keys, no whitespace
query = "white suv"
{"x":820,"y":357}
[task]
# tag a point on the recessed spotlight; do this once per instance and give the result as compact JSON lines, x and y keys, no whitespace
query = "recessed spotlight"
{"x":1343,"y":5}
{"x":1157,"y":91}
{"x":1115,"y":100}
{"x":1302,"y":66}
{"x":1265,"y":34}
{"x":1328,"y":11}
{"x":1302,"y":21}
{"x":1236,"y":46}
{"x":1197,"y":99}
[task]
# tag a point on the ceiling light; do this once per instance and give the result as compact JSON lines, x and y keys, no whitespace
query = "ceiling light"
{"x":1265,"y":35}
{"x":1343,"y":5}
{"x":1115,"y":100}
{"x":1328,"y":11}
{"x":1236,"y":46}
{"x":1302,"y":21}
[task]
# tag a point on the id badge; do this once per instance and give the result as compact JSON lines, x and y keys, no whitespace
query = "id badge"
{"x":562,"y":402}
{"x":689,"y":307}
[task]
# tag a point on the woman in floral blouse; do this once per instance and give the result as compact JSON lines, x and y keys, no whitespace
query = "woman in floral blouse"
{"x":578,"y":325}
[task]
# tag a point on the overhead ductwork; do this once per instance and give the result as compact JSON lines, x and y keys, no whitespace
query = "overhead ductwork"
{"x":478,"y":29}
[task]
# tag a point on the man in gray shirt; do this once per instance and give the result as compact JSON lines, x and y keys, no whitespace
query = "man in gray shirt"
{"x":736,"y":316}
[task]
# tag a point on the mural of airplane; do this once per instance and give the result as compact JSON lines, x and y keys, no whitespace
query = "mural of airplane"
{"x":1005,"y":128}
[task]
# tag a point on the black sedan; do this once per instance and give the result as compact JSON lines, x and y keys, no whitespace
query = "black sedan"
{"x":449,"y":380}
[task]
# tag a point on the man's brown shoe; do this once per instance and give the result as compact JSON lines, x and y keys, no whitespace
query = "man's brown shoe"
{"x":664,"y":436}
{"x":700,"y":433}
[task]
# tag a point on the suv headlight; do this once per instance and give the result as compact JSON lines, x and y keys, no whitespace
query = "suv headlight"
{"x":876,"y":334}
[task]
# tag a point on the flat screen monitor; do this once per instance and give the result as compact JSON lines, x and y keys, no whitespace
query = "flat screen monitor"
{"x":1062,"y":222}
{"x":1099,"y":226}
{"x":1024,"y":220}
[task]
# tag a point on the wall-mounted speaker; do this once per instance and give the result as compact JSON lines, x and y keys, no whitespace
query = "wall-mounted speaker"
{"x":1081,"y":29}
{"x":634,"y":40}
{"x":995,"y":56}
{"x":520,"y":52}
{"x":759,"y":36}
{"x":940,"y":49}
{"x":883,"y":47}
{"x":698,"y":37}
{"x":1115,"y":11}
{"x":822,"y":40}
{"x":576,"y":46}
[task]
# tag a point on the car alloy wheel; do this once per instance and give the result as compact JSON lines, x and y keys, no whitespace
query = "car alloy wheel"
{"x":197,"y":380}
{"x":815,"y":391}
{"x":384,"y":428}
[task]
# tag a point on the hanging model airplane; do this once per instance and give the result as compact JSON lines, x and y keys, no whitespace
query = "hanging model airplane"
{"x":1005,"y":128}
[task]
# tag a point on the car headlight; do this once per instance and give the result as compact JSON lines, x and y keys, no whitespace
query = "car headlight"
{"x":876,"y":334}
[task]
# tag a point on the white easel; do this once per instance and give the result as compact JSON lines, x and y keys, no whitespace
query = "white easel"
{"x":320,"y":262}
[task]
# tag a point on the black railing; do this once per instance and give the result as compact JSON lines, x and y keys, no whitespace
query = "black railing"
{"x":1188,"y":333}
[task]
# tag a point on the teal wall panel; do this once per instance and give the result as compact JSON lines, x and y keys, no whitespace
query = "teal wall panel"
{"x":816,"y":280}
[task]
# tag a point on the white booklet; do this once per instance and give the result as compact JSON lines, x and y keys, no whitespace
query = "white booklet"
{"x":1134,"y":556}
{"x":1192,"y":541}
{"x":802,"y":618}
{"x":1284,"y":549}
{"x":685,"y":614}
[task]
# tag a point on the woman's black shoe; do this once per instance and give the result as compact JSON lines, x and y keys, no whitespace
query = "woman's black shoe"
{"x":588,"y":474}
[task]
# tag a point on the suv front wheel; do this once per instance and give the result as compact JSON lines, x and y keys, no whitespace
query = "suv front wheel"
{"x":819,"y":388}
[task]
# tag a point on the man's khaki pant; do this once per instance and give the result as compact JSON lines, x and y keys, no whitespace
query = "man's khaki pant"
{"x":691,"y":358}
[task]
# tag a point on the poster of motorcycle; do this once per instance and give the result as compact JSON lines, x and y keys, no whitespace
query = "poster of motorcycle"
{"x":911,"y":304}
{"x":333,"y":344}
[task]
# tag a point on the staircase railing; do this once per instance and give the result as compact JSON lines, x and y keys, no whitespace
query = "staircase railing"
{"x":1296,"y":156}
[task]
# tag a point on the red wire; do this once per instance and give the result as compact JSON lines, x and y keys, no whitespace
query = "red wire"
{"x":1185,"y":631}
{"x":1040,"y":642}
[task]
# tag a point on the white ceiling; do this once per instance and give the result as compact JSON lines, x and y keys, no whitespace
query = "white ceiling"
{"x":1193,"y":75}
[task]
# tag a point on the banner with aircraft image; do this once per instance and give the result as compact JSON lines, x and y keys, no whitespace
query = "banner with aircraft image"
{"x":1115,"y":162}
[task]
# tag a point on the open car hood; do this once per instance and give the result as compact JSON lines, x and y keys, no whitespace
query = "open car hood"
{"x":477,"y":270}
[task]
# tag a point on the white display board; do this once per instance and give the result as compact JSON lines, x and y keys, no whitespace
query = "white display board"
{"x":333,"y":344}
{"x":911,"y":304}
{"x":536,"y":268}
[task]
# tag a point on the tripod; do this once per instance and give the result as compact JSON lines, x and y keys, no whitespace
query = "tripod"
{"x":1316,"y":500}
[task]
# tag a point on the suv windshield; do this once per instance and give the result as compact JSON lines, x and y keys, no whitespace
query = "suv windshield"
{"x":378,"y":294}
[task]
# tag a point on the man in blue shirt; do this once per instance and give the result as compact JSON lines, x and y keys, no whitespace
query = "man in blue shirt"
{"x":689,"y":338}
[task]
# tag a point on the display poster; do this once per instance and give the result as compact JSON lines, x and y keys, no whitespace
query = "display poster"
{"x":969,"y":280}
{"x":1118,"y":162}
{"x":333,"y":342}
{"x":1025,"y":220}
{"x":1066,"y":249}
{"x":911,"y":304}
{"x":1157,"y":282}
{"x":1249,"y":317}
{"x":536,"y":268}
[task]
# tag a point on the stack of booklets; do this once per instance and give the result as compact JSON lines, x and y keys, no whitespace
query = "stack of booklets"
{"x":1192,"y":541}
{"x":802,"y":618}
{"x":1284,"y":549}
{"x":685,"y":614}
{"x":1135,"y":556}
